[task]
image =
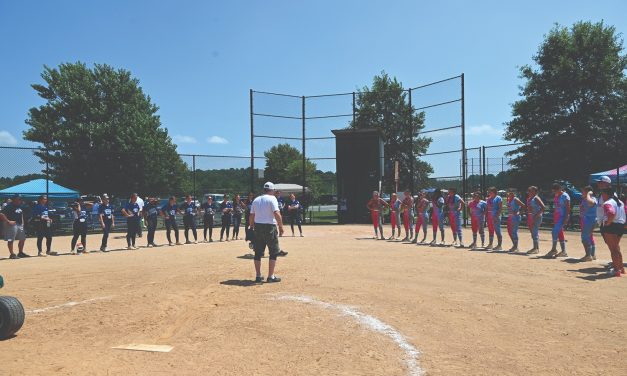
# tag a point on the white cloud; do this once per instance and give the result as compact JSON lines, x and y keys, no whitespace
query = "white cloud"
{"x":180,"y":139}
{"x":217,"y":140}
{"x":7,"y":138}
{"x":484,"y":130}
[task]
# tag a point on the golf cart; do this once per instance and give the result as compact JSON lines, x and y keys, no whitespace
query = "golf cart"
{"x":11,"y":315}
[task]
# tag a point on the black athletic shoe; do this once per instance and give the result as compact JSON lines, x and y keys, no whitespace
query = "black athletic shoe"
{"x":273,"y":279}
{"x":282,"y":253}
{"x":259,"y":279}
{"x":22,"y":255}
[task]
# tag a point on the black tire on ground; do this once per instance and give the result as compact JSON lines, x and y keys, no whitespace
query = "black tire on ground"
{"x":11,"y":316}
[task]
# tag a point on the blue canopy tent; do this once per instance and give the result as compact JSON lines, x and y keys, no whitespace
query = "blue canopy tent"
{"x":614,"y":174}
{"x":37,"y":187}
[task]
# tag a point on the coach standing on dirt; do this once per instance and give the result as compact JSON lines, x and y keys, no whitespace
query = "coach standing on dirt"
{"x":265,"y":216}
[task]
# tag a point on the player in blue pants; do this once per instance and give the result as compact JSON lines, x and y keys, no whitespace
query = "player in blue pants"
{"x":455,"y":208}
{"x":561,"y":212}
{"x":535,"y":209}
{"x":514,"y":207}
{"x":588,"y":219}
{"x":495,"y":208}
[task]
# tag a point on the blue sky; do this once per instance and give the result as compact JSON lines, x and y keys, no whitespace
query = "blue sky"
{"x":198,"y":59}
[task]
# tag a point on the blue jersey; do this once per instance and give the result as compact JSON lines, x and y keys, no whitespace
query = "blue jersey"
{"x":40,"y":211}
{"x":587,"y":210}
{"x":80,"y":216}
{"x":561,"y":202}
{"x":397,"y":205}
{"x":151,"y":210}
{"x":208,"y":208}
{"x":438,"y":206}
{"x":169,"y":211}
{"x":228,"y":205}
{"x":281,"y":203}
{"x":422,"y":206}
{"x":454,"y":204}
{"x":106,"y":211}
{"x":132,"y":208}
{"x":513,"y":207}
{"x":189,"y":209}
{"x":478,"y":208}
{"x":533,"y":207}
{"x":295,"y":203}
{"x":494,"y":204}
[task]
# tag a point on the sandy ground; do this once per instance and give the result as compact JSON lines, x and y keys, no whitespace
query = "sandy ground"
{"x":467,"y":312}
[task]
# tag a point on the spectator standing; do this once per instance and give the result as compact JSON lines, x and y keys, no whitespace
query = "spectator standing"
{"x":169,"y":211}
{"x":107,"y":221}
{"x":43,"y":226}
{"x":226,"y":208}
{"x":294,"y":209}
{"x":151,"y":214}
{"x":132,"y":212}
{"x":238,"y":210}
{"x":189,"y":210}
{"x":208,"y":218}
{"x":14,"y":226}
{"x":79,"y":227}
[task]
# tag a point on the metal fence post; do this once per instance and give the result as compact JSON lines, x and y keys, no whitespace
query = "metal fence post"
{"x":464,"y":172}
{"x":485,"y":171}
{"x":304,"y":151}
{"x":252,"y":145}
{"x":410,"y":128}
{"x":354,"y":109}
{"x":194,"y":176}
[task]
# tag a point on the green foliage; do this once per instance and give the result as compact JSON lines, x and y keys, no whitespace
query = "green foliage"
{"x":574,"y":109}
{"x":385,"y":106}
{"x":284,"y":164}
{"x":103,"y":132}
{"x":278,"y":159}
{"x":231,"y":181}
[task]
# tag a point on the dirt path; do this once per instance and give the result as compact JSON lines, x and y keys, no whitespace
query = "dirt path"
{"x":467,"y":312}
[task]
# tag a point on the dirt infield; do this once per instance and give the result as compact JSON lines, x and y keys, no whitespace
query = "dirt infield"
{"x":465,"y":312}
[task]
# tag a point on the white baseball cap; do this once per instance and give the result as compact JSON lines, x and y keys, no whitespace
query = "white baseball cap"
{"x":604,"y":179}
{"x":269,"y":186}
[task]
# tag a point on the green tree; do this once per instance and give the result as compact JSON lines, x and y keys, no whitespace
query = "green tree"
{"x":103,"y":132}
{"x":284,"y":164}
{"x":573,"y":114}
{"x":295,"y":171}
{"x":385,"y":106}
{"x":278,"y":159}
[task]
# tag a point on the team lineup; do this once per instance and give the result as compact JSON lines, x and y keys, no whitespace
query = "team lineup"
{"x":412,"y":213}
{"x":139,"y":214}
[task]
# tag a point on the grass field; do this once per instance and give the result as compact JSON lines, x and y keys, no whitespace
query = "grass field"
{"x":348,"y":305}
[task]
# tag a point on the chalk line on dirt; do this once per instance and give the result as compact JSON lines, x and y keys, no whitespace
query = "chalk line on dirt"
{"x":370,"y":322}
{"x":68,"y":305}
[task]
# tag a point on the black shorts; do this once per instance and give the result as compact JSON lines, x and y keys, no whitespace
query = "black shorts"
{"x":266,"y":235}
{"x":614,"y":228}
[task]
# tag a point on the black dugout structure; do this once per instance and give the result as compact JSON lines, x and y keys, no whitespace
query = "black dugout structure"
{"x":359,"y":166}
